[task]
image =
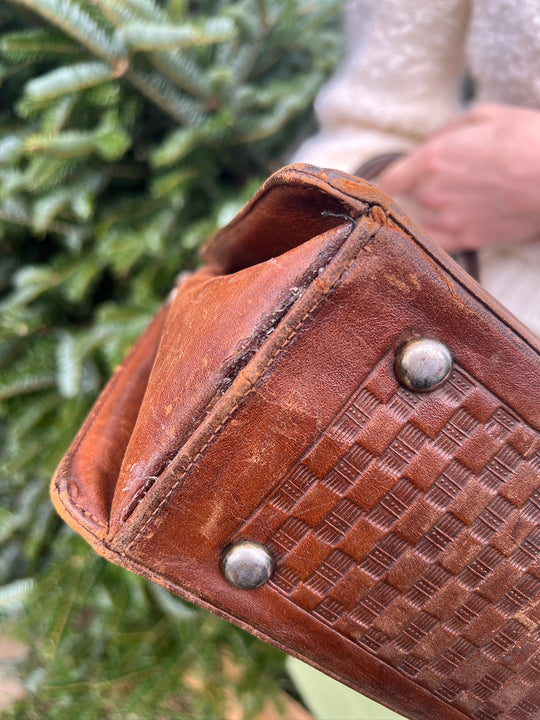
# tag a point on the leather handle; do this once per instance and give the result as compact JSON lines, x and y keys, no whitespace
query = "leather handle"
{"x":371,"y":169}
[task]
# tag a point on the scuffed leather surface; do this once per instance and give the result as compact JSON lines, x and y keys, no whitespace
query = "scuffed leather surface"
{"x":182,"y":390}
{"x":404,"y":527}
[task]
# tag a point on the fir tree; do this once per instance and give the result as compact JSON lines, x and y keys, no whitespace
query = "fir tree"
{"x":129,"y":131}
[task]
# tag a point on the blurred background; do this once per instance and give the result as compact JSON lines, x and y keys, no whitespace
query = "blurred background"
{"x":130,"y":130}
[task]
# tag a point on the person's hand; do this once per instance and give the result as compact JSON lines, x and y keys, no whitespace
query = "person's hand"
{"x":476,"y":181}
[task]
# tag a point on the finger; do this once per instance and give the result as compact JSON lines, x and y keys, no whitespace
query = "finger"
{"x":403,"y":175}
{"x":441,"y":219}
{"x":487,"y":111}
{"x":445,"y":239}
{"x":457,"y":241}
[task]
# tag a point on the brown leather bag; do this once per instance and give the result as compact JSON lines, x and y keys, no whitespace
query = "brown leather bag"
{"x":330,"y":437}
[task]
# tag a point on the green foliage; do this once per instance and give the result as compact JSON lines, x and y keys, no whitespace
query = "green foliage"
{"x":117,"y":647}
{"x":129,"y":131}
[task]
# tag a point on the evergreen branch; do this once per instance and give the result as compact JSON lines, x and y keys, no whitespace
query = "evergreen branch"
{"x":163,"y":94}
{"x":76,"y":23}
{"x":176,"y":66}
{"x":39,"y":92}
{"x":45,"y":172}
{"x":165,"y":185}
{"x":251,"y":18}
{"x":19,"y":517}
{"x":33,"y":415}
{"x":69,"y":367}
{"x":175,"y":147}
{"x":183,"y":72}
{"x":19,"y":46}
{"x":109,"y":142}
{"x":48,"y":167}
{"x":244,"y":62}
{"x":13,"y":595}
{"x":77,"y":197}
{"x":12,"y":181}
{"x":64,"y":611}
{"x":71,"y":353}
{"x":240,"y":58}
{"x":57,"y":115}
{"x":34,"y":450}
{"x":287,"y":107}
{"x":47,"y":208}
{"x":14,"y":213}
{"x":29,"y":282}
{"x":146,"y":36}
{"x":117,"y":12}
{"x":26,"y":385}
{"x":141,"y":9}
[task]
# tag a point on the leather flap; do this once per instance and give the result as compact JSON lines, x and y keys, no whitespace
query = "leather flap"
{"x":295,"y":204}
{"x":291,"y":229}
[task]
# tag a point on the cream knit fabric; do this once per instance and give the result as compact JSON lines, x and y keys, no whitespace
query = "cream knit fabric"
{"x":401,"y":79}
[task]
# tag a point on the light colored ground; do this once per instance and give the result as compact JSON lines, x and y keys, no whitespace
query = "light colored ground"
{"x":10,"y":688}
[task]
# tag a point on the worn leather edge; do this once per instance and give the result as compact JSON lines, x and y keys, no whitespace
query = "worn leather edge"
{"x":356,"y":195}
{"x":291,"y":176}
{"x":373,"y":196}
{"x":140,"y":569}
{"x":381,"y":211}
{"x":328,"y":242}
{"x":60,"y":492}
{"x":63,"y":500}
{"x":361,"y":234}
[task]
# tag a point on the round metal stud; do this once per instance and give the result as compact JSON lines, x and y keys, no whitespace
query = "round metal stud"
{"x":423,"y":364}
{"x":247,"y":565}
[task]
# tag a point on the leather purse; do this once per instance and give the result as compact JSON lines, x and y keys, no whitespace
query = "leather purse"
{"x":329,"y":435}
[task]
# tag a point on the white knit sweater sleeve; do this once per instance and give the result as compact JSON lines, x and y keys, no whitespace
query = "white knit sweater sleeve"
{"x":399,"y":80}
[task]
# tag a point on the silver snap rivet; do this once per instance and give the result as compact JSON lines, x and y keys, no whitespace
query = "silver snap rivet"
{"x":423,"y":364}
{"x":247,"y":565}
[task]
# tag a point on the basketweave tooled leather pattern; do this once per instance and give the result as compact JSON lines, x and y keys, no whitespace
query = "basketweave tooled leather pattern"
{"x":427,"y":552}
{"x":405,"y":526}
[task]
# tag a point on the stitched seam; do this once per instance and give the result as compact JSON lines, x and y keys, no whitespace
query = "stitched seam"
{"x":69,"y":482}
{"x":448,"y":271}
{"x":128,"y":512}
{"x":277,"y":351}
{"x":95,"y":412}
{"x":99,"y":523}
